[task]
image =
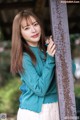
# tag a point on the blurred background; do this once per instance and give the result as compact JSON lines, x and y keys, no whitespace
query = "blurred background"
{"x":9,"y":85}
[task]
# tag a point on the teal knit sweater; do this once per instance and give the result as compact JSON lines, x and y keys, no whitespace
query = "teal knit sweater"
{"x":38,"y":81}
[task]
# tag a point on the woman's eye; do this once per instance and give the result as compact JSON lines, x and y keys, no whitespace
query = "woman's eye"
{"x":35,"y":24}
{"x":26,"y":28}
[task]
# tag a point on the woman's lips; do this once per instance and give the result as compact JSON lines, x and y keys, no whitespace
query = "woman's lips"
{"x":36,"y":35}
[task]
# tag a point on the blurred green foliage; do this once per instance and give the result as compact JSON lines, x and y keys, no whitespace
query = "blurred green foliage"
{"x":75,"y":48}
{"x":9,"y":95}
{"x":9,"y":85}
{"x":5,"y":62}
{"x":77,"y":95}
{"x":77,"y":90}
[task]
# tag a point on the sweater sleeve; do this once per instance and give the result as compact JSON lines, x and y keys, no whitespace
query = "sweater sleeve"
{"x":38,"y":84}
{"x":73,"y":67}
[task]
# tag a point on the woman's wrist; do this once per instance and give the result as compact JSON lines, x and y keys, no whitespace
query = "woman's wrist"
{"x":50,"y":58}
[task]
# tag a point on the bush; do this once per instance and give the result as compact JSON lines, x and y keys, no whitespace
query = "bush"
{"x":9,"y":96}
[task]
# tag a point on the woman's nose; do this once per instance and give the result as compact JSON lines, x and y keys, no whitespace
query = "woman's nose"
{"x":33,"y":29}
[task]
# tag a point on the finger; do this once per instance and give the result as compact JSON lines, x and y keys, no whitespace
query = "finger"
{"x":53,"y":48}
{"x":51,"y":44}
{"x":51,"y":41}
{"x":53,"y":53}
{"x":51,"y":38}
{"x":47,"y":41}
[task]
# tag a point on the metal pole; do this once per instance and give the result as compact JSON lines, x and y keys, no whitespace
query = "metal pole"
{"x":60,"y":32}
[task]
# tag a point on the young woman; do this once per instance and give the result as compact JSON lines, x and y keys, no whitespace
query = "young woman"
{"x":35,"y":62}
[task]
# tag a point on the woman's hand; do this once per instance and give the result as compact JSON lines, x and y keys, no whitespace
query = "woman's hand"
{"x":51,"y":48}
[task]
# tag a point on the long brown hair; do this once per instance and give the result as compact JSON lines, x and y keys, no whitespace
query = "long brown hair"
{"x":19,"y":45}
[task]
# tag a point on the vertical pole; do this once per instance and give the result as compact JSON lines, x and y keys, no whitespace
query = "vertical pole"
{"x":60,"y":32}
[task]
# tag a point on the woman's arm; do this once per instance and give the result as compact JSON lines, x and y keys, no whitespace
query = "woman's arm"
{"x":38,"y":84}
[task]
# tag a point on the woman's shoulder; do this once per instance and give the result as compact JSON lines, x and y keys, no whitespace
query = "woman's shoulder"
{"x":26,"y":56}
{"x":25,"y":53}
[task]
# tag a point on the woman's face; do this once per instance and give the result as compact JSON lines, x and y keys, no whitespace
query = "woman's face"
{"x":31,"y":31}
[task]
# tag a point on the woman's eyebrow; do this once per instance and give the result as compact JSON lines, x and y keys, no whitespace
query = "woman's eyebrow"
{"x":24,"y":26}
{"x":28,"y":25}
{"x":34,"y":22}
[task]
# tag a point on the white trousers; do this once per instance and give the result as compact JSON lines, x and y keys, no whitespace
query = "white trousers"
{"x":49,"y":112}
